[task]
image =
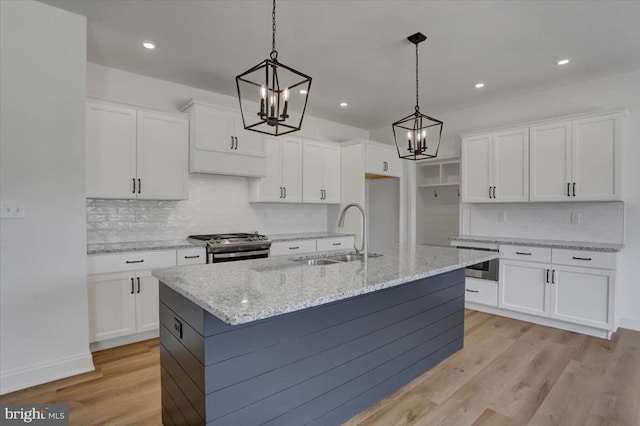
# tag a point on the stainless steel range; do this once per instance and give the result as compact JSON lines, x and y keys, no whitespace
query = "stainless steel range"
{"x":230,"y":247}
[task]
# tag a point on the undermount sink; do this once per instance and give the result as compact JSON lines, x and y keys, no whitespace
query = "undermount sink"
{"x":330,"y":260}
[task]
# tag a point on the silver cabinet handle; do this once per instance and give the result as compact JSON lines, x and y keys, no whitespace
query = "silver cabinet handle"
{"x":134,"y":185}
{"x":582,"y":258}
{"x":490,"y":192}
{"x":131,"y":285}
{"x":523,"y":253}
{"x":231,"y":142}
{"x":294,"y":248}
{"x":134,"y":261}
{"x":139,"y":185}
{"x":568,"y":189}
{"x":494,"y":192}
{"x":472,"y":291}
{"x":285,"y":192}
{"x":574,"y":189}
{"x":337,"y":244}
{"x":192,"y":257}
{"x":281,"y":193}
{"x":138,"y":278}
{"x":553,"y":276}
{"x":547,"y":277}
{"x":236,"y":148}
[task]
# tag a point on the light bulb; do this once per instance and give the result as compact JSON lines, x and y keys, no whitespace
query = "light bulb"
{"x":424,"y":134}
{"x":263,"y":92}
{"x":409,"y":135}
{"x":285,"y":94}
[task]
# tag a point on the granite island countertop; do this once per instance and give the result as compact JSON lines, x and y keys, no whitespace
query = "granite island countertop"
{"x":530,"y":242}
{"x":242,"y":292}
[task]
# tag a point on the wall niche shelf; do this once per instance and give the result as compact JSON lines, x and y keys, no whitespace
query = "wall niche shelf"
{"x":438,"y":173}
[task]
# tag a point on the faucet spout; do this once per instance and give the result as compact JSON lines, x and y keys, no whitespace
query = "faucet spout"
{"x":363,"y":248}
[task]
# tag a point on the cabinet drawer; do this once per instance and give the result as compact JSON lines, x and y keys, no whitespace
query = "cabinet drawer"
{"x":281,"y":248}
{"x":191,"y":256}
{"x":338,"y":243}
{"x":589,"y":259}
{"x":130,"y":261}
{"x":484,"y":292}
{"x":530,"y":254}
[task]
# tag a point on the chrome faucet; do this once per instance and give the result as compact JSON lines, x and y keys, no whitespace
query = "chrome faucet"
{"x":363,"y":249}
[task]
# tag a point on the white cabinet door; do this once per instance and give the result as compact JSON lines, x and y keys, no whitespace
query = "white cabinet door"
{"x":248,"y":142}
{"x":550,"y":162}
{"x":214,"y":129}
{"x":270,"y":186}
{"x":112,"y":306}
{"x":523,"y":287}
{"x":511,"y":165}
{"x":583,"y":296}
{"x":110,"y":151}
{"x":147,"y":302}
{"x":292,"y":169}
{"x":477,"y":167}
{"x":331,"y":174}
{"x":312,"y":169}
{"x":381,"y":160}
{"x":163,"y":142}
{"x":595,"y":146}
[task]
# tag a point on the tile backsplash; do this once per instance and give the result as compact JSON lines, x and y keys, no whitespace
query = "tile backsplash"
{"x":216,"y":204}
{"x":598,"y":222}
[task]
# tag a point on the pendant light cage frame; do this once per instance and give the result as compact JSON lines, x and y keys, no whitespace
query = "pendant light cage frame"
{"x":417,"y":136}
{"x":273,"y":97}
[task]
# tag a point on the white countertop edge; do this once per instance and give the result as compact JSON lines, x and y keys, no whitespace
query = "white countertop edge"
{"x":530,"y":242}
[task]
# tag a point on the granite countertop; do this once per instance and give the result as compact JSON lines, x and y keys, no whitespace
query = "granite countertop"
{"x":105,"y":248}
{"x":242,"y":292}
{"x":307,"y":236}
{"x":572,"y":245}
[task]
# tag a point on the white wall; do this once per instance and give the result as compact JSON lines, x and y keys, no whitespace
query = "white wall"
{"x":437,"y":217}
{"x":43,"y":292}
{"x":603,"y":93}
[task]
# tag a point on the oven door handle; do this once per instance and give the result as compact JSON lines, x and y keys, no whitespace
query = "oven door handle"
{"x":240,"y":254}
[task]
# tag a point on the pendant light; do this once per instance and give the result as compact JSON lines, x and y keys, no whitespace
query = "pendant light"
{"x":273,"y":97}
{"x":417,"y":135}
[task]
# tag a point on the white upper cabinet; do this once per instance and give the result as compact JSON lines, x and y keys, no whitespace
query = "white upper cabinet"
{"x":321,"y":172}
{"x":550,"y":150}
{"x":283,"y":180}
{"x":569,"y":160}
{"x":477,"y":168}
{"x":495,"y":167}
{"x":163,"y":143}
{"x":220,"y":145}
{"x":133,"y":153}
{"x":382,"y":160}
{"x":596,"y":158}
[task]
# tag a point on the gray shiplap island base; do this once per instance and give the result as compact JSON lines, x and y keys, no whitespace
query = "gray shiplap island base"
{"x":317,"y":365}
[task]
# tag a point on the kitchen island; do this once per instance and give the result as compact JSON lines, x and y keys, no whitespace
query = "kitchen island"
{"x":277,"y":341}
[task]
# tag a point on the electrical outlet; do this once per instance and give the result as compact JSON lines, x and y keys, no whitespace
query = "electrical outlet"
{"x":502,"y":216}
{"x":12,"y":210}
{"x":575,"y":218}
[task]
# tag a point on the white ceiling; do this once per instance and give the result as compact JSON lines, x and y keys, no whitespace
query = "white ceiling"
{"x":357,"y":50}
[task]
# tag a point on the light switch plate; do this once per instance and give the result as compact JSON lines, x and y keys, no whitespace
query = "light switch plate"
{"x":12,"y":210}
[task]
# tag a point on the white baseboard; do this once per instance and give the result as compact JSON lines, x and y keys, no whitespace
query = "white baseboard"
{"x":124,"y":340}
{"x":630,"y":323}
{"x":11,"y":381}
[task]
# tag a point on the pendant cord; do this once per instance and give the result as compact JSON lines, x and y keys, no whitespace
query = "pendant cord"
{"x":274,"y":52}
{"x":417,"y":92}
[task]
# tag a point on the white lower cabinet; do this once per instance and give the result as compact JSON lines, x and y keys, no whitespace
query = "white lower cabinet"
{"x":282,"y":248}
{"x":124,"y":302}
{"x":578,"y":295}
{"x":484,"y":292}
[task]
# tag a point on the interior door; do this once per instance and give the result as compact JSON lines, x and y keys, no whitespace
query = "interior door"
{"x":550,"y":150}
{"x":511,"y":165}
{"x":147,"y":302}
{"x":112,"y":306}
{"x":162,"y":164}
{"x":477,"y":167}
{"x":292,"y":169}
{"x":110,"y":151}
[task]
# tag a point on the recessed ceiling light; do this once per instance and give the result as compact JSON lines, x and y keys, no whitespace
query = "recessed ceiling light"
{"x":563,"y":62}
{"x":303,"y":92}
{"x":343,"y":104}
{"x":149,"y":45}
{"x":479,"y":85}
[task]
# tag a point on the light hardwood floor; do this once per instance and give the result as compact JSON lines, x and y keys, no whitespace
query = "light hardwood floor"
{"x":509,"y":373}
